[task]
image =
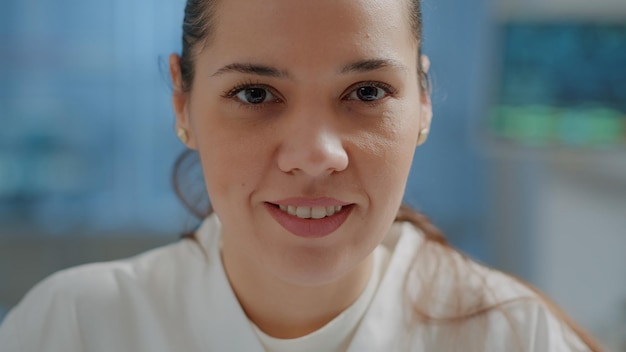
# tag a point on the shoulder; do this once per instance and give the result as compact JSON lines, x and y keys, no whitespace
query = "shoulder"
{"x":518,"y":314}
{"x":99,"y":279}
{"x":453,"y":282}
{"x":466,"y":303}
{"x":532,"y":324}
{"x":52,"y":310}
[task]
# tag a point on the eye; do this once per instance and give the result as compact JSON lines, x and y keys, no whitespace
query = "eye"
{"x":255,"y":95}
{"x":370,"y":92}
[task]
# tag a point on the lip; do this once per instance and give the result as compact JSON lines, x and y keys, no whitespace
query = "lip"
{"x":310,"y":228}
{"x":311,"y":202}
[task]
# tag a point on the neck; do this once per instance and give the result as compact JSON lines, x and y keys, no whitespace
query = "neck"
{"x":286,"y":310}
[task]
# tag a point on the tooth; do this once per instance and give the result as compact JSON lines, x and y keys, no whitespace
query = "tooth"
{"x":338,"y":208}
{"x":291,"y":210}
{"x":303,"y":212}
{"x":283,"y":207}
{"x":318,"y":212}
{"x":330,"y":210}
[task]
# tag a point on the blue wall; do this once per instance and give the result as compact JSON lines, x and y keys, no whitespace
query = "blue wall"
{"x":449,"y":176}
{"x":87,"y":125}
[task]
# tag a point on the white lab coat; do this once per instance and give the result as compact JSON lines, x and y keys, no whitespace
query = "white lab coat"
{"x":177,"y":298}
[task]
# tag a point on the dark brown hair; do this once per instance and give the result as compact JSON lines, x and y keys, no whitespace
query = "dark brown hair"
{"x":188,"y":184}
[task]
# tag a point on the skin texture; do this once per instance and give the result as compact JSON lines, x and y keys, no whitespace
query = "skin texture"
{"x":313,"y":138}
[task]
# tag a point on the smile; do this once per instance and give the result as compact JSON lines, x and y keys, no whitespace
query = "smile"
{"x":311,"y":220}
{"x":310,"y":212}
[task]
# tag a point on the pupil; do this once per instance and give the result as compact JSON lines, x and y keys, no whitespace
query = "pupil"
{"x":367,"y":93}
{"x":255,"y":95}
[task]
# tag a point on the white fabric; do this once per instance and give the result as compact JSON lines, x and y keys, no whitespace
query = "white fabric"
{"x":177,"y":298}
{"x":337,"y":334}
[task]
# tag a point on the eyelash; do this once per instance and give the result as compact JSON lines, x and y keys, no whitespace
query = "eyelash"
{"x":389,"y":90}
{"x":232,"y":93}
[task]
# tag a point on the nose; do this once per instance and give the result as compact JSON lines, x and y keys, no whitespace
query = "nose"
{"x":312,"y":146}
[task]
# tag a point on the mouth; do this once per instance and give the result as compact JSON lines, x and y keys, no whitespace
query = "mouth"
{"x":310,"y":221}
{"x":310,"y":212}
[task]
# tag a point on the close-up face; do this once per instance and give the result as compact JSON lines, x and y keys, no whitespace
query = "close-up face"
{"x":305,"y":115}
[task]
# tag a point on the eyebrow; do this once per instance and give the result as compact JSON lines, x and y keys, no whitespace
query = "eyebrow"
{"x":368,"y":65}
{"x":259,"y":70}
{"x":360,"y":66}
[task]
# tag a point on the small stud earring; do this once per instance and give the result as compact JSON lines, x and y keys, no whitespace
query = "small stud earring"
{"x":422,"y":136}
{"x":182,"y":135}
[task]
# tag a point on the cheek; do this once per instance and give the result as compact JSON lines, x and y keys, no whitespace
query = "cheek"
{"x":383,"y":155}
{"x":233,"y":164}
{"x":233,"y":159}
{"x":390,"y":138}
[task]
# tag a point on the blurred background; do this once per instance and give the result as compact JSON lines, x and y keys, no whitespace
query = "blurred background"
{"x":525,"y":169}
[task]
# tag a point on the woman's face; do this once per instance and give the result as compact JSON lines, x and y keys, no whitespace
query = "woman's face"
{"x":309,"y":108}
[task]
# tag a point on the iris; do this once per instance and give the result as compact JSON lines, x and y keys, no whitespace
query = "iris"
{"x":368,"y":93}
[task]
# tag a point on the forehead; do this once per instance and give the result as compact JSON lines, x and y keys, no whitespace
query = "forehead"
{"x":312,"y":31}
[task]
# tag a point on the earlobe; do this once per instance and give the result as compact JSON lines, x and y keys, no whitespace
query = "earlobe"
{"x":179,"y":102}
{"x":422,"y":136}
{"x":425,"y":62}
{"x":182,"y":134}
{"x":426,"y":115}
{"x":426,"y":109}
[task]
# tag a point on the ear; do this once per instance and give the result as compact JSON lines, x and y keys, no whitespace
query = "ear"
{"x":180,"y":100}
{"x":426,"y":109}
